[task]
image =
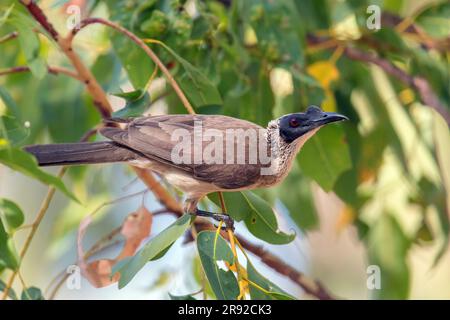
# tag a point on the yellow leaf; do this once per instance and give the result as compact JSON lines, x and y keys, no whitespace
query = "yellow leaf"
{"x":3,"y":142}
{"x":345,"y":218}
{"x":406,"y":96}
{"x":324,"y":72}
{"x":329,"y":104}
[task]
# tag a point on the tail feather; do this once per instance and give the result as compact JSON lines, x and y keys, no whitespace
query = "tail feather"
{"x":80,"y":153}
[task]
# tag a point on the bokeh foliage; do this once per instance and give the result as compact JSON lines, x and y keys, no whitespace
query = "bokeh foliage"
{"x":255,"y":60}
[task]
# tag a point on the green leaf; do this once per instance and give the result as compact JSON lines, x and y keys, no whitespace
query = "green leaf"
{"x":10,"y":127}
{"x":442,"y":142}
{"x":277,"y":28}
{"x":8,"y":254}
{"x":213,"y":249}
{"x":273,"y":291}
{"x":196,"y":86}
{"x":387,"y":248}
{"x":134,"y":60}
{"x":262,"y":222}
{"x":9,"y":102}
{"x":295,"y":193}
{"x":257,"y":214}
{"x":30,"y":44}
{"x":11,"y":215}
{"x":185,"y":297}
{"x":442,"y":145}
{"x":435,"y":20}
{"x":325,"y":157}
{"x":137,"y":102}
{"x":129,"y":267}
{"x":11,"y":292}
{"x":6,"y":14}
{"x":32,"y":293}
{"x":23,"y":162}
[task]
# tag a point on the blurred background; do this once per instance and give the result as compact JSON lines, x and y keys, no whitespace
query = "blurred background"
{"x":371,"y":191}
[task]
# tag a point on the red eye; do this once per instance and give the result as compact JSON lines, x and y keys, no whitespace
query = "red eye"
{"x":293,"y":122}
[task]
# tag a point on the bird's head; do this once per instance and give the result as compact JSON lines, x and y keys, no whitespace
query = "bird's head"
{"x":305,"y":124}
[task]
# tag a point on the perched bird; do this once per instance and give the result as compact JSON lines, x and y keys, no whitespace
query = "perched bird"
{"x":198,"y":154}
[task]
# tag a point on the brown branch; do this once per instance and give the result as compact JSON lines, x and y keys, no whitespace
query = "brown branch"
{"x":40,"y":17}
{"x":51,"y":70}
{"x":92,"y":85}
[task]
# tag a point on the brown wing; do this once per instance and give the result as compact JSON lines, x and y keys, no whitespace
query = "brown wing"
{"x":152,"y":137}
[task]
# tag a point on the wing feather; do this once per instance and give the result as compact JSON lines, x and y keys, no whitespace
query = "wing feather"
{"x":152,"y":137}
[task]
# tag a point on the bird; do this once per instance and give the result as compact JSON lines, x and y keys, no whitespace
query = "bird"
{"x":198,"y":154}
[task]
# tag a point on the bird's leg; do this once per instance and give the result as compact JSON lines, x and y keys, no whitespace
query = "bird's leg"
{"x":229,"y":222}
{"x":191,"y":208}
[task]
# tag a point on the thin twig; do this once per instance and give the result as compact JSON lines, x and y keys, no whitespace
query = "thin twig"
{"x":9,"y":36}
{"x":144,"y":47}
{"x":51,"y":69}
{"x":44,"y":206}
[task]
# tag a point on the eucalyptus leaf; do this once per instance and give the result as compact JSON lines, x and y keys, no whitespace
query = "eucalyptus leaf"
{"x":214,"y":250}
{"x":325,"y":156}
{"x":23,"y":162}
{"x":130,"y":266}
{"x":270,"y":290}
{"x":11,"y":293}
{"x":32,"y":293}
{"x":11,"y":215}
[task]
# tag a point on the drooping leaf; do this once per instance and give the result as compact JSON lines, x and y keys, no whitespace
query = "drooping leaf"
{"x":213,"y":251}
{"x":32,"y":293}
{"x":135,"y":229}
{"x":23,"y":162}
{"x":11,"y":293}
{"x":8,"y":254}
{"x":257,"y":214}
{"x":130,"y":266}
{"x":11,"y":215}
{"x":135,"y":61}
{"x":30,"y":45}
{"x":325,"y":156}
{"x":6,"y":14}
{"x":295,"y":193}
{"x":262,"y":222}
{"x":391,"y":259}
{"x":273,"y":291}
{"x":185,"y":297}
{"x":197,"y":87}
{"x":136,"y":103}
{"x":435,"y":19}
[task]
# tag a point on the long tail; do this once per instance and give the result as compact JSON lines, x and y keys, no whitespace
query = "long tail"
{"x":80,"y":153}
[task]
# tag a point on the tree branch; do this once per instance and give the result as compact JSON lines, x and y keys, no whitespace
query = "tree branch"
{"x":51,"y":70}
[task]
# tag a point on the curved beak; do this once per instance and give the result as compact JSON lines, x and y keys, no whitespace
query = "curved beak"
{"x":322,"y":118}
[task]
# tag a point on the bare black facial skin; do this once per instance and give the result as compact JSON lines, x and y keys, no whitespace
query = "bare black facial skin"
{"x":293,"y":126}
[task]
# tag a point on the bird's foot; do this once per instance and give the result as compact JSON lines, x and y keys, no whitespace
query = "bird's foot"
{"x":229,"y":222}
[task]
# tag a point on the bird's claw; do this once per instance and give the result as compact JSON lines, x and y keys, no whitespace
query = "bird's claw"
{"x":229,"y":222}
